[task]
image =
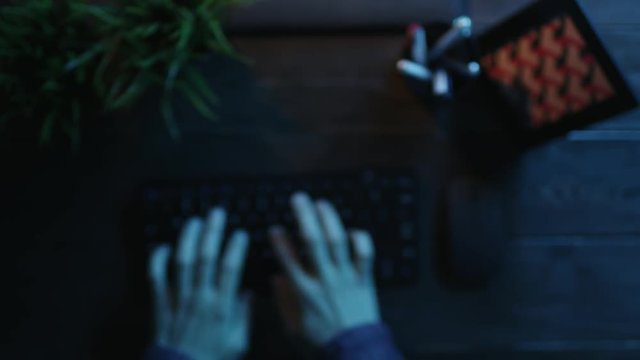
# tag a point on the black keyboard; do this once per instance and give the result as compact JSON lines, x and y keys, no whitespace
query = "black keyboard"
{"x":382,"y":202}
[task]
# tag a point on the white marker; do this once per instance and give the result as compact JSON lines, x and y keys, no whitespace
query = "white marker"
{"x":465,"y":24}
{"x":441,"y":83}
{"x":474,"y":68}
{"x":462,"y":28}
{"x":471,"y":69}
{"x":414,"y":70}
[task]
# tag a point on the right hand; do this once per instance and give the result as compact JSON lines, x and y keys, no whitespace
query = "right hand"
{"x":341,"y":294}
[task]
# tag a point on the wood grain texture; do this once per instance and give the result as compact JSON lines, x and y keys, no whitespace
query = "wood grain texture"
{"x":570,"y":285}
{"x":556,"y":294}
{"x":332,"y":14}
{"x":340,"y":83}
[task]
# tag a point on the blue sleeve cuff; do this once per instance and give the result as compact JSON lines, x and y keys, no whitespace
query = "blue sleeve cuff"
{"x":158,"y":352}
{"x":370,"y":342}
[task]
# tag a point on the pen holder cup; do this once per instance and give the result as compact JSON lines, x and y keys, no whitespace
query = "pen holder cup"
{"x":480,"y":120}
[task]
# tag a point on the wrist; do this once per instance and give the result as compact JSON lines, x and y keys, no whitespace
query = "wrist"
{"x":367,"y":341}
{"x":163,"y":352}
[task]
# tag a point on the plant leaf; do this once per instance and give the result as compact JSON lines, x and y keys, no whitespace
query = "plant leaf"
{"x":169,"y":119}
{"x":98,"y":78}
{"x":186,"y":30}
{"x":196,"y":79}
{"x":137,"y":87}
{"x":83,"y":58}
{"x":115,"y":89}
{"x":197,"y":101}
{"x":221,"y":38}
{"x":47,"y":128}
{"x":74,"y":128}
{"x":51,"y":86}
{"x":150,"y":61}
{"x":97,"y":12}
{"x":172,"y":74}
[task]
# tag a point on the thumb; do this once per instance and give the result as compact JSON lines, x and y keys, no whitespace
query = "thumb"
{"x":287,"y":302}
{"x":241,"y":326}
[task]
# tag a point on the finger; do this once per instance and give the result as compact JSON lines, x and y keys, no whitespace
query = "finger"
{"x":287,"y":303}
{"x":239,"y":339}
{"x":286,"y":257}
{"x":312,"y":233}
{"x":158,"y":268}
{"x":232,"y":267}
{"x":210,"y":246}
{"x":186,"y":258}
{"x":335,"y":233}
{"x":364,"y":253}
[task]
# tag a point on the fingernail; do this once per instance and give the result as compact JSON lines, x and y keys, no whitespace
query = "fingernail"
{"x":216,"y":213}
{"x":216,"y":210}
{"x":325,"y":206}
{"x":161,"y":248}
{"x":299,"y":198}
{"x":243,"y":234}
{"x":323,"y":202}
{"x":195,"y":222}
{"x":357,"y":232}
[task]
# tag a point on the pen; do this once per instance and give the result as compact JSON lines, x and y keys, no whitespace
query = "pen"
{"x":414,"y":70}
{"x":470,"y":69}
{"x":441,"y":83}
{"x":462,"y":29}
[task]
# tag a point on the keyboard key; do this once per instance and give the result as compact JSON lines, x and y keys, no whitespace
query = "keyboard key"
{"x":346,"y":214}
{"x":176,"y":223}
{"x":243,"y":205}
{"x":151,"y":231}
{"x":281,"y":201}
{"x":382,"y":215}
{"x":233,"y":220}
{"x":407,"y":272}
{"x":375,"y":196}
{"x":409,"y":252}
{"x":262,"y":204}
{"x":406,"y":199}
{"x":271,"y":218}
{"x":405,"y":182}
{"x":407,"y":231}
{"x":387,"y":269}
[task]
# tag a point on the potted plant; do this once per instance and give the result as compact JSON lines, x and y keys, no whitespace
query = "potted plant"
{"x":65,"y":62}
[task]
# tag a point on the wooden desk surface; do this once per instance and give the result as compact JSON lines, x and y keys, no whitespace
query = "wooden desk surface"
{"x":571,"y":285}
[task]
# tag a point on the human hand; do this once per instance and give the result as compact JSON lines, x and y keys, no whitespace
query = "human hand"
{"x":202,"y":315}
{"x":341,"y":294}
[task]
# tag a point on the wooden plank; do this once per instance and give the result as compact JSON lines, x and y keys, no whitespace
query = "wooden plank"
{"x":614,"y":12}
{"x":283,"y":55}
{"x":554,"y":295}
{"x":336,"y":84}
{"x":580,"y":188}
{"x":332,"y":14}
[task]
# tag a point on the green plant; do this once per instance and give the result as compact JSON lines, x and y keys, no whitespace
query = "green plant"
{"x":63,"y":61}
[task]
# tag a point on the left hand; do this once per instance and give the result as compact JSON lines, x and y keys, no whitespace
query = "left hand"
{"x":202,"y":315}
